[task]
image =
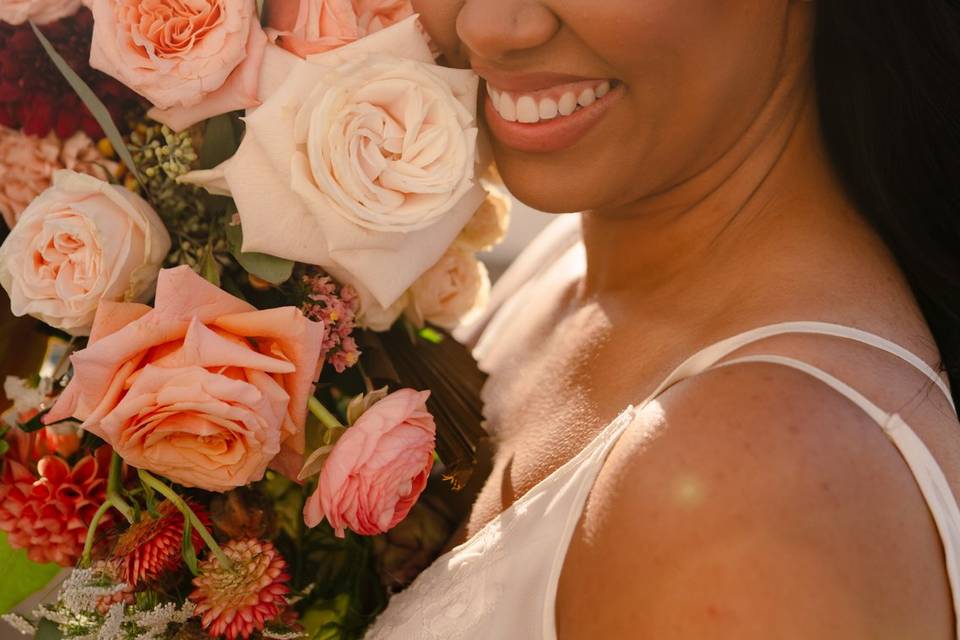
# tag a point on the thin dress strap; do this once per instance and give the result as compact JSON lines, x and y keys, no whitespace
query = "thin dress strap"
{"x":927,"y":472}
{"x":706,"y":358}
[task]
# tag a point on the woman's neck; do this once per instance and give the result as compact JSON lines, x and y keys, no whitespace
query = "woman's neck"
{"x":693,"y":245}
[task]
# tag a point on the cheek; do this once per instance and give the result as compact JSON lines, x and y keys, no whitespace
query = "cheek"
{"x":439,"y":17}
{"x":697,"y":74}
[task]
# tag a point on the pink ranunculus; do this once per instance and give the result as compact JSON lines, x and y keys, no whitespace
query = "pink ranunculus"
{"x":39,"y":11}
{"x":192,"y":60}
{"x":307,"y":27}
{"x":203,"y":388}
{"x":378,"y":468}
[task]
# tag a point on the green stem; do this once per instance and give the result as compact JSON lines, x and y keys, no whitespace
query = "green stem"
{"x":114,"y":489}
{"x":322,"y":414}
{"x":149,"y":480}
{"x":92,"y":530}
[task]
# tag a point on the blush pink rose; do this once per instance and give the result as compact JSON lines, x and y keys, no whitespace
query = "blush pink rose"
{"x":39,"y":11}
{"x":192,"y":60}
{"x":79,"y":243}
{"x":203,"y":388}
{"x":27,"y":165}
{"x":306,"y":27}
{"x":378,"y":468}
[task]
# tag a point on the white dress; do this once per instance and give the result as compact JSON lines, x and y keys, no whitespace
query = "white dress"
{"x":501,"y":584}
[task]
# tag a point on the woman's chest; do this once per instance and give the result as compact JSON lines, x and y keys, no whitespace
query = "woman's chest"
{"x":555,"y":383}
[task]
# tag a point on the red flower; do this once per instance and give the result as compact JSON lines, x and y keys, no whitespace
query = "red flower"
{"x":47,"y":508}
{"x":153,"y":545}
{"x":33,"y":94}
{"x":239,"y":601}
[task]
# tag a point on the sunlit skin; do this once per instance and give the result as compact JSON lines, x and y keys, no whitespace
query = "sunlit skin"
{"x":747,"y":503}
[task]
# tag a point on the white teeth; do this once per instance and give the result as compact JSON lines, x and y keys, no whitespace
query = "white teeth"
{"x":548,"y":109}
{"x":528,"y":109}
{"x":508,"y":110}
{"x":568,"y":104}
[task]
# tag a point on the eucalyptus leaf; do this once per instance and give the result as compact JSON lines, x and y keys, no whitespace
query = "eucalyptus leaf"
{"x":209,"y":267}
{"x":220,"y":142}
{"x":47,"y":630}
{"x":92,"y":102}
{"x":270,"y":268}
{"x":21,"y":577}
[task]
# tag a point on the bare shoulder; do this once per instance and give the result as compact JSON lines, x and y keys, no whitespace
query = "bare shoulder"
{"x":755,"y":502}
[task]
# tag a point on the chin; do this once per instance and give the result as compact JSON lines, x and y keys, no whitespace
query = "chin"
{"x":549,"y":188}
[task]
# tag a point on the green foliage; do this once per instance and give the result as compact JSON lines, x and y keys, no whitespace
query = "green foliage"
{"x":220,"y":141}
{"x":21,"y":577}
{"x":47,"y":630}
{"x":270,"y":268}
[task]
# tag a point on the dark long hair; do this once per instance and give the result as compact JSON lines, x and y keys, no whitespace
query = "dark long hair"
{"x":888,"y":82}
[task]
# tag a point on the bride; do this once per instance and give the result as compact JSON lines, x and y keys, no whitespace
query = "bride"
{"x":717,"y":396}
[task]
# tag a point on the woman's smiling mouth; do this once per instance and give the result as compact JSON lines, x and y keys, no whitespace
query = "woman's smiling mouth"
{"x":544,"y":113}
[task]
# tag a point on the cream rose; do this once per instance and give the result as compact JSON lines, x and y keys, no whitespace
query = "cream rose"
{"x":80,"y":242}
{"x":39,"y":11}
{"x":362,"y":161}
{"x":453,"y":289}
{"x":192,"y":60}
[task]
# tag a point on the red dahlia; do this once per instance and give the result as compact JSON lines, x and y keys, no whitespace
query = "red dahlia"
{"x":239,"y":601}
{"x":154,"y":545}
{"x":46,"y":508}
{"x":34,"y":96}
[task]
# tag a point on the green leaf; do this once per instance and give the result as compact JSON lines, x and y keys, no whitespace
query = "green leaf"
{"x":431,"y":335}
{"x":21,"y":577}
{"x":270,"y":268}
{"x":47,"y":630}
{"x":92,"y":102}
{"x":4,"y":447}
{"x":220,"y":142}
{"x":35,"y":423}
{"x":151,"y":499}
{"x":209,"y":267}
{"x":189,"y":553}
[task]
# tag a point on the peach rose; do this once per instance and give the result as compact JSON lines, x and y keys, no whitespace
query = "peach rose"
{"x":81,"y":242}
{"x":203,"y":389}
{"x":192,"y":60}
{"x":316,"y":26}
{"x":27,"y":164}
{"x":489,"y":224}
{"x":39,"y":11}
{"x":378,"y":468}
{"x":361,"y":161}
{"x":452,"y":290}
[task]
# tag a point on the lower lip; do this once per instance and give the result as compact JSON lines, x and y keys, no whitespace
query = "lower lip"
{"x":550,"y":136}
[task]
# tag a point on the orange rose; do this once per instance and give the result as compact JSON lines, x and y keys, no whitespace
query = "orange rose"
{"x":202,"y":389}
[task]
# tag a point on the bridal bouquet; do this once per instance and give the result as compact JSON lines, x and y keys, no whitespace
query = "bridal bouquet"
{"x":236,"y":233}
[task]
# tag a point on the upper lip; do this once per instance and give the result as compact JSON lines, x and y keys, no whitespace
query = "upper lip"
{"x":533,"y":81}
